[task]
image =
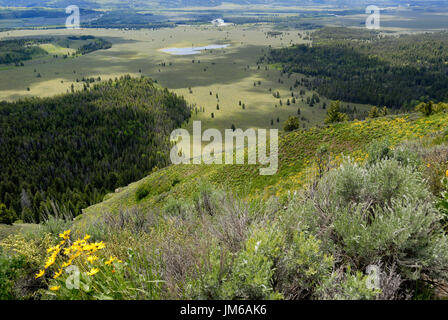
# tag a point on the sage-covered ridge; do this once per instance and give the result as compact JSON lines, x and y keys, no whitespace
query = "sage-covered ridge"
{"x":95,"y":205}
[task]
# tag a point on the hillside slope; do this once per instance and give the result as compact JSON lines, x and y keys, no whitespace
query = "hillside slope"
{"x":74,"y":148}
{"x":298,"y":163}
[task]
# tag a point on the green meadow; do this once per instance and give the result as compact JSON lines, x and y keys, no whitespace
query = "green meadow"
{"x":231,"y":73}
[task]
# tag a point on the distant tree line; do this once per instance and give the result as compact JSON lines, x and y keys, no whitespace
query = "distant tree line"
{"x":386,"y":71}
{"x":96,"y":44}
{"x":18,"y":50}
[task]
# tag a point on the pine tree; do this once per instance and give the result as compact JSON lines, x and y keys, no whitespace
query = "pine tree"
{"x":291,"y":124}
{"x":6,"y":215}
{"x":374,"y":113}
{"x":334,"y":115}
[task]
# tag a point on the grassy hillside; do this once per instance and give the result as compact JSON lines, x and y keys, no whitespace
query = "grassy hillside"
{"x":193,"y":240}
{"x":298,"y":163}
{"x":177,"y":234}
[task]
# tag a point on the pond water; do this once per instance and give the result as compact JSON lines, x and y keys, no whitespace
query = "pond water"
{"x":192,"y":50}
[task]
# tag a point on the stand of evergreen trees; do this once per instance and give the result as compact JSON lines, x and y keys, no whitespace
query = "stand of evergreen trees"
{"x":73,"y":149}
{"x":18,"y":50}
{"x":385,"y":71}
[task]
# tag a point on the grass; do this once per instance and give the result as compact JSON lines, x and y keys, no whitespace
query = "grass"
{"x":54,"y":49}
{"x":297,"y":163}
{"x":230,"y":72}
{"x":6,"y":230}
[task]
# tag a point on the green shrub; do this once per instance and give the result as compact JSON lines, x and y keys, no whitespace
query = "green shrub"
{"x":175,"y":208}
{"x":443,"y":203}
{"x":254,"y":267}
{"x":333,"y":113}
{"x":11,"y":268}
{"x":213,"y":270}
{"x":378,"y":150}
{"x":291,"y":124}
{"x":408,"y":153}
{"x":304,"y":267}
{"x":6,"y":215}
{"x":346,"y":286}
{"x":249,"y":275}
{"x":383,"y":212}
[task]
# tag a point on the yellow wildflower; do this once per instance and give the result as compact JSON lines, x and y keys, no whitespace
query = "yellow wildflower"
{"x":49,"y":263}
{"x":111,"y":259}
{"x":87,"y":237}
{"x":93,"y":271}
{"x":40,"y":274}
{"x":66,"y":264}
{"x":51,"y":249}
{"x":100,"y":245}
{"x":446,"y":173}
{"x":91,"y":259}
{"x":57,"y":274}
{"x":55,"y":288}
{"x":65,"y":235}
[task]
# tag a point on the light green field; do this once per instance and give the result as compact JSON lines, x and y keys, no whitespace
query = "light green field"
{"x":6,"y":230}
{"x":55,"y":49}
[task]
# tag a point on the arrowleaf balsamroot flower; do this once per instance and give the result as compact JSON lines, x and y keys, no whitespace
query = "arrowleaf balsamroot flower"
{"x":91,"y":258}
{"x":93,"y":271}
{"x":40,"y":274}
{"x":57,"y":274}
{"x":80,"y":253}
{"x":65,"y":235}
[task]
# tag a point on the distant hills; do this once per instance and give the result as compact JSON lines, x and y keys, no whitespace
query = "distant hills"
{"x":110,"y":4}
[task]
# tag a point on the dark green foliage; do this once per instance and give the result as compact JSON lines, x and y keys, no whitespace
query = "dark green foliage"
{"x":374,"y":113}
{"x":334,"y":115}
{"x":15,"y":51}
{"x":6,"y":215}
{"x":392,"y":71}
{"x":425,"y":108}
{"x":11,"y":268}
{"x":142,"y":192}
{"x":18,"y":50}
{"x":291,"y":124}
{"x":95,"y":45}
{"x":77,"y":147}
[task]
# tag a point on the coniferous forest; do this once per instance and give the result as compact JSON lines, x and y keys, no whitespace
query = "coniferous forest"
{"x":365,"y":67}
{"x":72,"y":149}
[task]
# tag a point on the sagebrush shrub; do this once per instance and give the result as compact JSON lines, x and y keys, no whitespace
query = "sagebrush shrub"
{"x":382,"y":212}
{"x":303,"y":267}
{"x":378,"y":150}
{"x":346,"y":285}
{"x":254,"y":267}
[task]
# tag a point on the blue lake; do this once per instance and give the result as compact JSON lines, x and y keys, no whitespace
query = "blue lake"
{"x":192,"y":50}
